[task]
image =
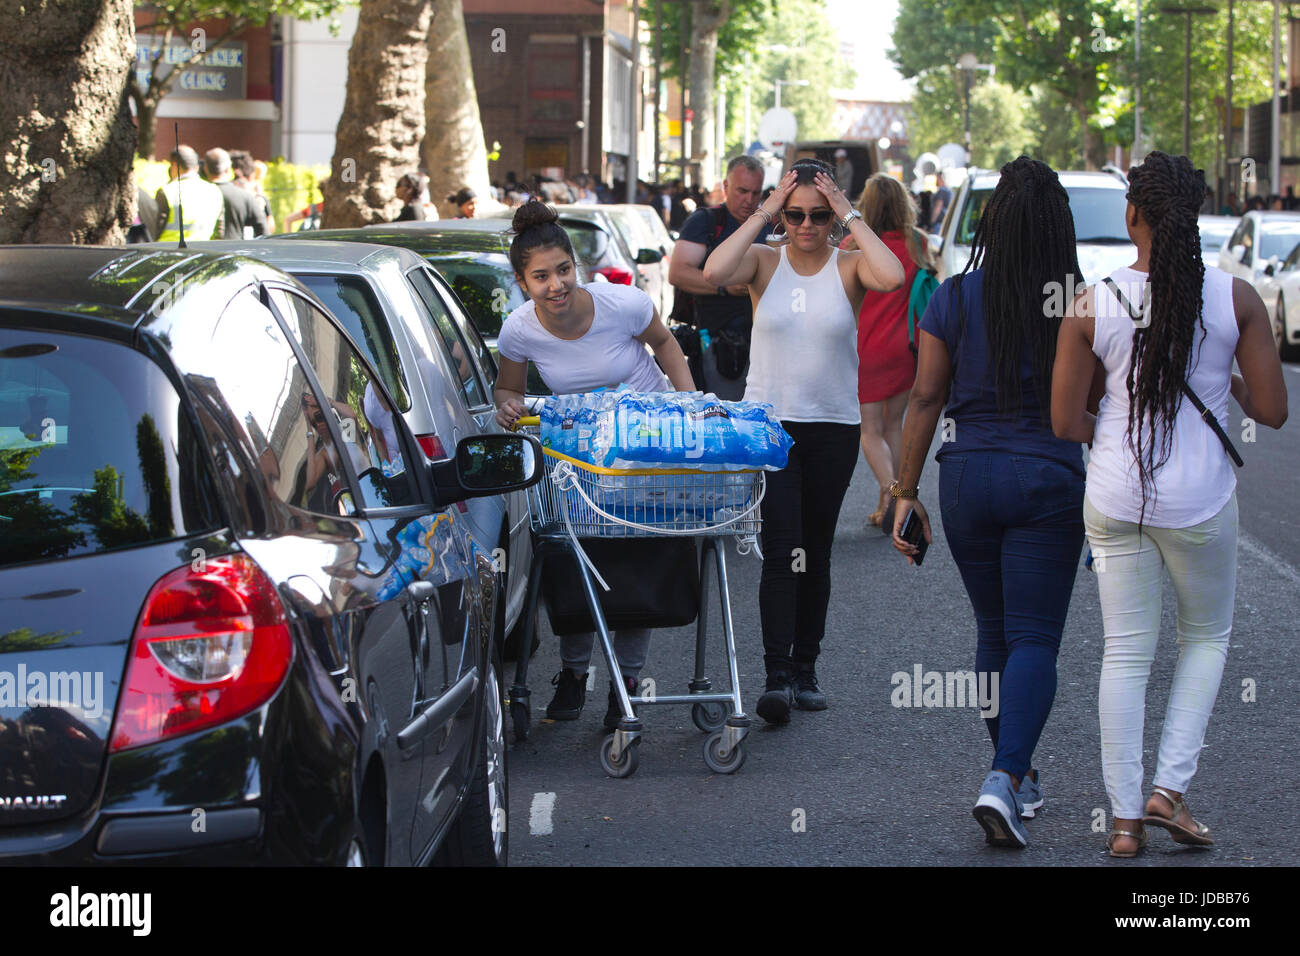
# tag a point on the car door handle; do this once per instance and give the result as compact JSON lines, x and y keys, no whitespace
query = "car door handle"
{"x":420,"y":590}
{"x":439,"y":712}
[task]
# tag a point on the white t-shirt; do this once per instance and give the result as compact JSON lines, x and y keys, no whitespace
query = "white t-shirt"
{"x":1198,"y":478}
{"x":608,"y":354}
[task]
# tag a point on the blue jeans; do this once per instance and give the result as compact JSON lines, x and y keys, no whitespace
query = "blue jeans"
{"x":1014,"y":524}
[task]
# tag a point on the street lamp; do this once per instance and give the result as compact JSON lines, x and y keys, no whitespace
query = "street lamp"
{"x":968,"y":63}
{"x":781,"y":83}
{"x":1188,"y":13}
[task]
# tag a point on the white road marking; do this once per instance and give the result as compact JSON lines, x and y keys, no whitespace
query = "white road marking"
{"x":539,"y":815}
{"x":1293,"y":368}
{"x":1277,"y":562}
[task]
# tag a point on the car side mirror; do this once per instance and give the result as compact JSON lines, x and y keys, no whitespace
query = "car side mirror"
{"x":488,"y":465}
{"x":648,"y":257}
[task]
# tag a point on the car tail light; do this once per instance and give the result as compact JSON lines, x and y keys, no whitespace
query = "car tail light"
{"x":615,"y":274}
{"x":210,"y":646}
{"x":431,"y":445}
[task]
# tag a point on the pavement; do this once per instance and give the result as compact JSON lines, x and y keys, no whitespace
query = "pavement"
{"x":868,"y":783}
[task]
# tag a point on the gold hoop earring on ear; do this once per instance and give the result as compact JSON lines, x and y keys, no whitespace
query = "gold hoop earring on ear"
{"x":775,"y":238}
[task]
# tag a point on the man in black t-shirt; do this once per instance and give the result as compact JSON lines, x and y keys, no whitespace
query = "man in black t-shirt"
{"x":719,"y":309}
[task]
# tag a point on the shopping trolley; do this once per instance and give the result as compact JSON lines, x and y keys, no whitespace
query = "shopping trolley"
{"x":578,"y":500}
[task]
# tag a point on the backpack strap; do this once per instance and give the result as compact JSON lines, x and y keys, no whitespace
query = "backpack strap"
{"x":1205,"y":414}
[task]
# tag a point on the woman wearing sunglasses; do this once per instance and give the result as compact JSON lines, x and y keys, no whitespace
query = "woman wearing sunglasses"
{"x":804,"y":361}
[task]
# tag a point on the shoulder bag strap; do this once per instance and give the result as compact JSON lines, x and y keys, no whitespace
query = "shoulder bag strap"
{"x":1205,"y":414}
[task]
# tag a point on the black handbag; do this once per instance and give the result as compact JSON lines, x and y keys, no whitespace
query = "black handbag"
{"x":731,"y":353}
{"x":653,"y":582}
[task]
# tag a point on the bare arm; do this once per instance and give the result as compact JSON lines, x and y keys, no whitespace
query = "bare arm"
{"x":1075,"y":372}
{"x":669,"y":353}
{"x":512,"y":382}
{"x":877,"y":267}
{"x":685,"y":272}
{"x":930,"y":391}
{"x":1259,"y":389}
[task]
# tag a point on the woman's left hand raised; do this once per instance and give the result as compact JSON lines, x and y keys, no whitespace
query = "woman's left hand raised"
{"x":839,"y":202}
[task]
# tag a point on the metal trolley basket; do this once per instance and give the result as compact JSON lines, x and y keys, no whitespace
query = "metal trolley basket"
{"x":576,"y":499}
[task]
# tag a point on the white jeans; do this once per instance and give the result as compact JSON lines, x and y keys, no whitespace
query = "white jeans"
{"x":1202,"y":562}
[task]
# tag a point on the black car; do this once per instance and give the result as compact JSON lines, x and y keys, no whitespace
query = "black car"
{"x":240,"y":620}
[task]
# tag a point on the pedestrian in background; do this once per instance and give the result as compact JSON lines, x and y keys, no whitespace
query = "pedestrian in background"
{"x":248,"y":176}
{"x":464,"y":199}
{"x":886,"y":356}
{"x":1161,"y":493}
{"x":203,"y":202}
{"x":939,"y":203}
{"x":244,"y":215}
{"x":1010,"y":491}
{"x":804,"y":363}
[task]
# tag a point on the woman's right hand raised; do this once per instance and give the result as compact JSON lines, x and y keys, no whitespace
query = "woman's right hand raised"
{"x":776,"y":202}
{"x":509,"y":412}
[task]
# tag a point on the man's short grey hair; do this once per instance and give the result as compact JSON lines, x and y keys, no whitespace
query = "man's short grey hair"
{"x":746,"y":162}
{"x":185,"y":157}
{"x":216,"y":162}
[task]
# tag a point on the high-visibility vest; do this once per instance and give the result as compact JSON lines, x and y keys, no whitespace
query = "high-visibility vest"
{"x":203,"y":205}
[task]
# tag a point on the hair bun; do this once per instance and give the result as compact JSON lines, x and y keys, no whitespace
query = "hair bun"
{"x":533,"y":213}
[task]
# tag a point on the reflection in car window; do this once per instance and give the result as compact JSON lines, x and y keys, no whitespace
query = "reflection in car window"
{"x":489,"y":292}
{"x":353,"y":303}
{"x":96,"y":451}
{"x":365,"y":419}
{"x":257,"y":375}
{"x":1278,"y":239}
{"x":461,"y":361}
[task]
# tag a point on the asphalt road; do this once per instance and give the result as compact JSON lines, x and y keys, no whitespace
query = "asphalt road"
{"x":869,"y":783}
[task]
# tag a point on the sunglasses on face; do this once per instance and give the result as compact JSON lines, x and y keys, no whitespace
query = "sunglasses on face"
{"x":795,"y":217}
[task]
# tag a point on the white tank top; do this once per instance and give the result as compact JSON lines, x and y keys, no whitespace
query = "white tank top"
{"x":1197,"y":480}
{"x":803,"y":357}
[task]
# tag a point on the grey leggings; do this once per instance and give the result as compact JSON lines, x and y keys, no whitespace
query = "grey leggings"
{"x":631,"y":645}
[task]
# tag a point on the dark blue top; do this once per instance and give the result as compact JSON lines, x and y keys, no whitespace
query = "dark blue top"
{"x":716,"y":311}
{"x":973,"y":402}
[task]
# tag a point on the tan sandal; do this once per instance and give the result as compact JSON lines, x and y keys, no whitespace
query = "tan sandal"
{"x":1198,"y":834}
{"x":875,"y":516}
{"x":1140,"y":837}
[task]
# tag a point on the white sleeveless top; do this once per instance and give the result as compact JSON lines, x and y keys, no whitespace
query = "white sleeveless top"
{"x":803,"y":357}
{"x":1197,"y":480}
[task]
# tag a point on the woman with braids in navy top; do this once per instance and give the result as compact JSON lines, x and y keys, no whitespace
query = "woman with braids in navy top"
{"x":1011,"y":492}
{"x":1161,"y":488}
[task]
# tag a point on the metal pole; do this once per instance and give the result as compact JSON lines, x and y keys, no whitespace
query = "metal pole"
{"x":659,"y":55}
{"x":749,"y":82}
{"x":686,"y":72}
{"x":1135,"y":154}
{"x":1227,"y":139}
{"x":1187,"y":85}
{"x":777,"y":104}
{"x":966,"y":74}
{"x":586,"y":106}
{"x":634,"y":103}
{"x":1275,"y":144}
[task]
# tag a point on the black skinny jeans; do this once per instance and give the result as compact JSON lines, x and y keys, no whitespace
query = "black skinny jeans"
{"x":800,"y":510}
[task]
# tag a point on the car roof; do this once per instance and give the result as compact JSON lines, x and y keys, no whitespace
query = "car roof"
{"x":112,"y":290}
{"x":1070,"y":179}
{"x":436,"y":234}
{"x":295,"y":255}
{"x":1273,"y":215}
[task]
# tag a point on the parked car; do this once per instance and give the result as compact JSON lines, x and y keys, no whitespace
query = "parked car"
{"x":1096,"y":201}
{"x":646,"y":238}
{"x":1215,"y":231}
{"x":1280,"y":289}
{"x":407,"y":323}
{"x":258,"y":601}
{"x":1261,"y":241}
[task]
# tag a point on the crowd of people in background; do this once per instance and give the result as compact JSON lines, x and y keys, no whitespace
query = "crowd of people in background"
{"x":224,"y":198}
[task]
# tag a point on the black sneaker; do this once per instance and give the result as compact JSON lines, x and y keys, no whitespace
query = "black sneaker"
{"x":570,"y":695}
{"x":778,"y":697}
{"x":614,"y":713}
{"x":807,"y":695}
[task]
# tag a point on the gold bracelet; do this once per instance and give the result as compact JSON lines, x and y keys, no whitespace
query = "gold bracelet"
{"x":897,"y":491}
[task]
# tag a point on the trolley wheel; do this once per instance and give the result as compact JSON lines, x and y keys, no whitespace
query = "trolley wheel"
{"x":709,"y":717}
{"x":713,"y":755}
{"x":626,"y":765}
{"x":521,"y":717}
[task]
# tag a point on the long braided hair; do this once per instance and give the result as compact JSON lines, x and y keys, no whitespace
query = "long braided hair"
{"x":1168,"y":192}
{"x":1024,"y":242}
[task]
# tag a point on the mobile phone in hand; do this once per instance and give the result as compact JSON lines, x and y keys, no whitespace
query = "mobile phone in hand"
{"x":914,"y":534}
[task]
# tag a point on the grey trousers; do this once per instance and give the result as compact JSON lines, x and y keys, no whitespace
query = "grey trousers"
{"x":631,"y":644}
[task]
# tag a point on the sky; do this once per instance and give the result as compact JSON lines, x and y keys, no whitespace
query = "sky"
{"x":877,"y":79}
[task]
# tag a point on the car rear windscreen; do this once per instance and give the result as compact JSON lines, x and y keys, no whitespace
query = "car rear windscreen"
{"x":1098,"y":215}
{"x":96,"y":451}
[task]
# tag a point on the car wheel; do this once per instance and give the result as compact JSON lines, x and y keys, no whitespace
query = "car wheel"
{"x":1287,"y":351}
{"x":479,"y":836}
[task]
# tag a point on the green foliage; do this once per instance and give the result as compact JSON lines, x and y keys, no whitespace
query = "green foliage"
{"x":290,"y":187}
{"x":740,"y":34}
{"x":998,"y":117}
{"x":150,"y":174}
{"x":183,"y":13}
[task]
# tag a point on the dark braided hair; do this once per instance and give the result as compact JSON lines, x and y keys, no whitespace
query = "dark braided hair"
{"x":1168,"y":192}
{"x":1024,"y":242}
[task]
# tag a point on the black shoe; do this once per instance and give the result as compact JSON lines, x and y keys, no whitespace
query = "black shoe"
{"x":778,"y":697}
{"x":614,"y":713}
{"x":570,"y":695}
{"x":807,"y":695}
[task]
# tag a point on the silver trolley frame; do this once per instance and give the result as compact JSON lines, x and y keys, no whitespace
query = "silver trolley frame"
{"x":576,"y":500}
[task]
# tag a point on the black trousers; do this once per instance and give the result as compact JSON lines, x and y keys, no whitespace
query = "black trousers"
{"x":800,"y":510}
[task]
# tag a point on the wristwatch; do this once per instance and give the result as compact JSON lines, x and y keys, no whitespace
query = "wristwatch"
{"x":897,"y":491}
{"x":849,"y":216}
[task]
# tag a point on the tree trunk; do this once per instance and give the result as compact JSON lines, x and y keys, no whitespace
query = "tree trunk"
{"x":382,"y":125}
{"x":454,"y":152}
{"x":65,"y":121}
{"x":707,"y":17}
{"x":146,"y":120}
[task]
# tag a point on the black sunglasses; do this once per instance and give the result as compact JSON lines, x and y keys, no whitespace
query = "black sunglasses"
{"x":819,"y":218}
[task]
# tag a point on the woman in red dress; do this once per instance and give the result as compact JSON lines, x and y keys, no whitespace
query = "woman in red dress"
{"x":886,"y":363}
